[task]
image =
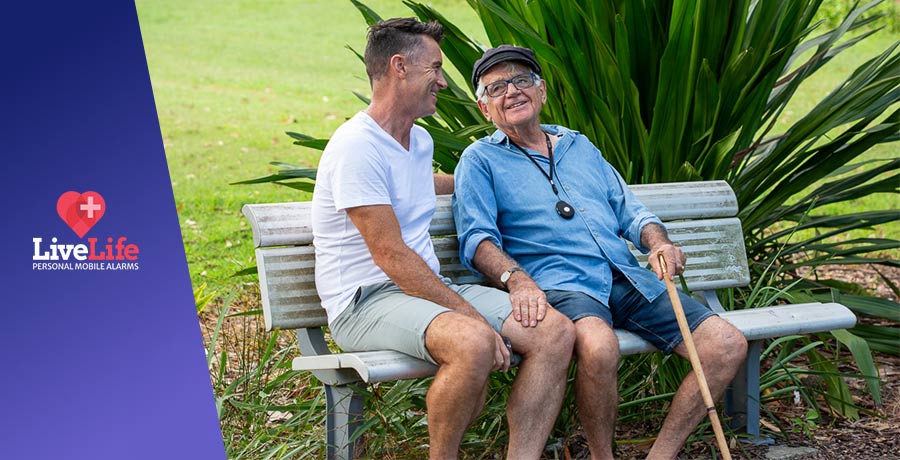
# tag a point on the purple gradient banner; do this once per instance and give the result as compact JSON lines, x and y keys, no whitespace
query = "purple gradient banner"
{"x":102,"y":356}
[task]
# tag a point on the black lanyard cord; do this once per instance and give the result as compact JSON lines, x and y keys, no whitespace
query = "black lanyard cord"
{"x":565,"y":210}
{"x":549,"y":153}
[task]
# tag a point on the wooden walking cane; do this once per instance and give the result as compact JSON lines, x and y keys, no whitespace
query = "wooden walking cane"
{"x":695,"y":359}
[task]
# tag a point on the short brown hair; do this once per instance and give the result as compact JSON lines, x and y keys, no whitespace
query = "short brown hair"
{"x":396,"y":36}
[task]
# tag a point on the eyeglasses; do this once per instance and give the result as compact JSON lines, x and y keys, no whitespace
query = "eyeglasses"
{"x":521,"y":81}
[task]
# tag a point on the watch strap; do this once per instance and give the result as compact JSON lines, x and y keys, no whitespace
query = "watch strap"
{"x":504,"y":277}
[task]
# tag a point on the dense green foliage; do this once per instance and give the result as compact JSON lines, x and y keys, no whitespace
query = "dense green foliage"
{"x":690,"y":91}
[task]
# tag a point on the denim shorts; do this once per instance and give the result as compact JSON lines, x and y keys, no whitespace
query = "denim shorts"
{"x":383,"y":317}
{"x":630,"y":310}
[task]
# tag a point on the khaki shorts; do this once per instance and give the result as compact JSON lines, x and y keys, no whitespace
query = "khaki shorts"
{"x":382,"y":317}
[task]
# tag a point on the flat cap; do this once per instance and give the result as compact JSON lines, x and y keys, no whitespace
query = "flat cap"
{"x":503,"y":53}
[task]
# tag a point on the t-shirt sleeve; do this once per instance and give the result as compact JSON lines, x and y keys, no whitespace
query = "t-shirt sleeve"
{"x":360,"y":175}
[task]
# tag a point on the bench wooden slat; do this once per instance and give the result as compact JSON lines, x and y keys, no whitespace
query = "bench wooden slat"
{"x":288,"y":288}
{"x":756,"y":324}
{"x":279,"y":224}
{"x":287,"y":224}
{"x":779,"y":321}
{"x":714,"y":247}
{"x":371,"y":366}
{"x":716,"y":256}
{"x":688,"y":200}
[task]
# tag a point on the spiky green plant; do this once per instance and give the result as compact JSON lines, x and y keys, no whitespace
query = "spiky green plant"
{"x":266,"y":410}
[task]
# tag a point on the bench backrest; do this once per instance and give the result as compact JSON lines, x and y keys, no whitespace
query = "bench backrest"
{"x":700,"y":217}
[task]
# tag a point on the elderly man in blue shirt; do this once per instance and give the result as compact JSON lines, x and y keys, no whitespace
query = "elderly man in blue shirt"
{"x":541,"y":213}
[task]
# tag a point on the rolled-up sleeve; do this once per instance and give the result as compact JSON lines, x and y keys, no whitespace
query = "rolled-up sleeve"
{"x":474,"y":207}
{"x":631,"y":214}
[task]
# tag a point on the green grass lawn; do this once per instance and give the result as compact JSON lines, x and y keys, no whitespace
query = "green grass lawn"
{"x":230,"y":78}
{"x":813,"y":90}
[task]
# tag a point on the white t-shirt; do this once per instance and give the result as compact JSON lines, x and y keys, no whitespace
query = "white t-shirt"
{"x":363,"y":165}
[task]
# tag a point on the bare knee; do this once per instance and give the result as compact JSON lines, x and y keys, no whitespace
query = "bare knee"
{"x":476,"y":348}
{"x":723,"y":344}
{"x":461,"y":341}
{"x":735,"y":343}
{"x":559,"y":333}
{"x":552,"y":338}
{"x":596,"y":346}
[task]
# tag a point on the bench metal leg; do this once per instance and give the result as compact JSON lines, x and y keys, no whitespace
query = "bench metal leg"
{"x":344,"y":416}
{"x":742,"y":397}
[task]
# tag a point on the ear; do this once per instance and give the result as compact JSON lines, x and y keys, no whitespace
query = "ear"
{"x":398,"y":65}
{"x":484,"y":110}
{"x":543,"y":92}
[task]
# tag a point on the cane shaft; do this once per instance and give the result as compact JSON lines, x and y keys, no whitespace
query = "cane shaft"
{"x":695,"y":360}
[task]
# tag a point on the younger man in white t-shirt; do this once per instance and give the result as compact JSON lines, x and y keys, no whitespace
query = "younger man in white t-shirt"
{"x":378,"y":276}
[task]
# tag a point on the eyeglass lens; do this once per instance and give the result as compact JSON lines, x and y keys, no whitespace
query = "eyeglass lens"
{"x":499,"y":88}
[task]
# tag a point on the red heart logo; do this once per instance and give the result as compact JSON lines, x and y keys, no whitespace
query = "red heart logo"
{"x":80,"y":211}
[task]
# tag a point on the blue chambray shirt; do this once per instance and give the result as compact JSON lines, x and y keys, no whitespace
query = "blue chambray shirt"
{"x":501,"y":196}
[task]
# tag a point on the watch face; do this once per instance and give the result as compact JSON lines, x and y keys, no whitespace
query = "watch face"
{"x":507,"y":274}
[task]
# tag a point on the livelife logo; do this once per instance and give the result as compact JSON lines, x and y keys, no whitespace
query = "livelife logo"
{"x":81,"y":211}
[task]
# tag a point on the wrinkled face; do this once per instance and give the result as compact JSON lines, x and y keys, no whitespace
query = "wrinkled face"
{"x":517,"y":108}
{"x":425,"y":77}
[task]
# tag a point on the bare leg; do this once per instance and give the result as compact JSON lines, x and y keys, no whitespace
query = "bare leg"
{"x":540,"y":385}
{"x":722,"y":350}
{"x":597,"y":357}
{"x":464,"y":349}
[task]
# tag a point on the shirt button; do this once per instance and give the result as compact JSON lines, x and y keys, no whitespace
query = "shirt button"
{"x":581,"y":209}
{"x":567,"y":187}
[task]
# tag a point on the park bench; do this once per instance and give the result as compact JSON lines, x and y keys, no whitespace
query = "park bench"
{"x":700,"y":217}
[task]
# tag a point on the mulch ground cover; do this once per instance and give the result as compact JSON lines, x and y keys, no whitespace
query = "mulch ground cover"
{"x":872,"y":437}
{"x":875,"y":436}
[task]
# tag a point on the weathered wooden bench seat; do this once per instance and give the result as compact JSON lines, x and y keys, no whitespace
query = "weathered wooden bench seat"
{"x":700,"y":217}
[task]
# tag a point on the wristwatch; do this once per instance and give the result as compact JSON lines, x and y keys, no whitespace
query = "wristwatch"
{"x":504,"y":277}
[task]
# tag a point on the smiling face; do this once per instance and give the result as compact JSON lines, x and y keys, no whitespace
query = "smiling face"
{"x":517,"y":109}
{"x":425,"y":77}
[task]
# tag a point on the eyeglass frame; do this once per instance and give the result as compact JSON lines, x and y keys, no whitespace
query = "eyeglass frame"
{"x":534,"y":78}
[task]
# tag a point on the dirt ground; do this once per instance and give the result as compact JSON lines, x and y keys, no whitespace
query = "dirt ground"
{"x":874,"y":436}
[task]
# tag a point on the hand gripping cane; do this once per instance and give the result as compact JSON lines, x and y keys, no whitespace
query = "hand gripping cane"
{"x":695,"y":360}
